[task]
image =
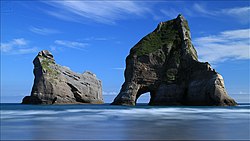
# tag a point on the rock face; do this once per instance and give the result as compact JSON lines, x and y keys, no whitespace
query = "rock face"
{"x":55,"y":84}
{"x":165,"y":63}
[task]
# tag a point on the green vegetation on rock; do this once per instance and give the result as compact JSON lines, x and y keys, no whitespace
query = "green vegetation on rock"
{"x":165,"y":34}
{"x":185,"y":24}
{"x":46,"y":66}
{"x":191,"y":50}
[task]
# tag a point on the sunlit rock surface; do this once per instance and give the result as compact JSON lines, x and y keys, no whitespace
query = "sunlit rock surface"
{"x":165,"y":63}
{"x":55,"y":84}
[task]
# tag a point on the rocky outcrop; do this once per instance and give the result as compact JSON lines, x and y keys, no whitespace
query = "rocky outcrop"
{"x":55,"y":84}
{"x":165,"y":63}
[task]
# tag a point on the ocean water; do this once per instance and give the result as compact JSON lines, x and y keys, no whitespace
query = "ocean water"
{"x":69,"y":122}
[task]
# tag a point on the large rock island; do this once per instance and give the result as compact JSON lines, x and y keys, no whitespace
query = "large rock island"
{"x":165,"y":63}
{"x":55,"y":84}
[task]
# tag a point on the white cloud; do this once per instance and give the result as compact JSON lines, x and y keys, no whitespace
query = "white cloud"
{"x":201,"y":9}
{"x":239,"y":13}
{"x":119,"y":68}
{"x":107,"y":12}
{"x":232,"y":44}
{"x":109,"y":93}
{"x":71,"y":44}
{"x":237,"y":34}
{"x":43,"y":31}
{"x":19,"y":42}
{"x":243,"y":92}
{"x":97,"y":39}
{"x":171,"y":13}
{"x":26,"y":50}
{"x":17,"y":46}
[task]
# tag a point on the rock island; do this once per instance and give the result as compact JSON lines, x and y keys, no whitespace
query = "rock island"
{"x":165,"y":64}
{"x":55,"y":84}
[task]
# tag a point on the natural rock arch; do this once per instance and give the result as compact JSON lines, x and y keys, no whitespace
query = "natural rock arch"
{"x":165,"y":63}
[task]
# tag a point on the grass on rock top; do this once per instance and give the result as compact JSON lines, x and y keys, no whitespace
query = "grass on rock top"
{"x":46,"y":66}
{"x":165,"y":34}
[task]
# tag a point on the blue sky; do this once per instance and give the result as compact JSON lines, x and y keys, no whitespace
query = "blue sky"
{"x":97,"y":36}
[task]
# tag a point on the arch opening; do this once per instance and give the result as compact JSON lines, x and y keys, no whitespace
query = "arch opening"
{"x":144,"y":96}
{"x":143,"y":99}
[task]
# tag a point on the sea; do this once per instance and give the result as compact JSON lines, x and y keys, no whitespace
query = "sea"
{"x":111,"y":122}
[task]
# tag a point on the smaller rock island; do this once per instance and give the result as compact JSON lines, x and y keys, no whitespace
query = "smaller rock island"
{"x":55,"y":84}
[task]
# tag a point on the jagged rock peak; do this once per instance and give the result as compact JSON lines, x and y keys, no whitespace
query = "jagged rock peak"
{"x":46,"y":54}
{"x":180,"y":18}
{"x":55,"y":84}
{"x":174,"y":32}
{"x":165,"y":63}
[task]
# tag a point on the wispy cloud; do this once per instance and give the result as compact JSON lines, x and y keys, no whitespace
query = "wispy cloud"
{"x":239,"y":13}
{"x":236,"y":11}
{"x":120,"y":68}
{"x":17,"y":46}
{"x":109,"y":93}
{"x":171,"y":13}
{"x":97,"y":39}
{"x":71,"y":44}
{"x":202,"y":9}
{"x":232,"y":44}
{"x":243,"y":92}
{"x":107,"y":12}
{"x":43,"y":31}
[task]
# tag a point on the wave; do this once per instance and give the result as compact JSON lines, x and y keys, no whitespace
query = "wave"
{"x":91,"y":114}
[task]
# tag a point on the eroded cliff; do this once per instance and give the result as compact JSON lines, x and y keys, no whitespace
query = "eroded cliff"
{"x":165,"y":63}
{"x":55,"y":84}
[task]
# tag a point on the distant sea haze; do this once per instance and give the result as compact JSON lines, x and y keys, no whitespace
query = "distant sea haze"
{"x":144,"y":98}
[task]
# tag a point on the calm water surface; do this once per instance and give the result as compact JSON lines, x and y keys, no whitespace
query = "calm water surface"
{"x":33,"y":122}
